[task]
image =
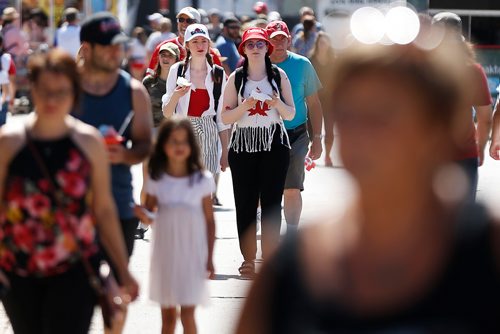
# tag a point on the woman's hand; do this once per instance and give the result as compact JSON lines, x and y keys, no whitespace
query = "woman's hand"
{"x":274,"y":102}
{"x":249,"y":103}
{"x":210,"y":269}
{"x":130,"y":287}
{"x":143,"y":214}
{"x":180,"y":91}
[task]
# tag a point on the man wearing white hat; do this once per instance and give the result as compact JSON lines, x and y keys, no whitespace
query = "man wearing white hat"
{"x":186,"y":17}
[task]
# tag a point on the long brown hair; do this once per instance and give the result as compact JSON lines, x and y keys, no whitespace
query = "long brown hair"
{"x":315,"y":50}
{"x":158,"y":161}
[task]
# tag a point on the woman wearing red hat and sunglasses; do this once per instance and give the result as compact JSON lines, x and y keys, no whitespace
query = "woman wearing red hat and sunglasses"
{"x":259,"y":146}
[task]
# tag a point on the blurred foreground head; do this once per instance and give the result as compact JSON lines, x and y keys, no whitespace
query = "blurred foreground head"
{"x":396,"y":108}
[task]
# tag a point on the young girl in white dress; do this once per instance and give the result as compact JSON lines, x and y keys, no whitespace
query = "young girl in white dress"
{"x":179,"y":190}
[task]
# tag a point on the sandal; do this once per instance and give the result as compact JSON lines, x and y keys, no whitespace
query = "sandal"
{"x":247,"y":270}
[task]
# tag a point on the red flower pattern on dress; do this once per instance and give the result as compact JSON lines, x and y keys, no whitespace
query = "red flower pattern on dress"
{"x":75,"y":161}
{"x":37,"y":205}
{"x":72,"y":183}
{"x":33,"y":226}
{"x":24,"y":238}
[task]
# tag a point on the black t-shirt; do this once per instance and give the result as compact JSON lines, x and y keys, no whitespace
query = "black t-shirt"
{"x":465,"y":299}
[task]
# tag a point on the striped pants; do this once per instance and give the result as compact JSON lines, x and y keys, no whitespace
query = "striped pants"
{"x":207,"y":133}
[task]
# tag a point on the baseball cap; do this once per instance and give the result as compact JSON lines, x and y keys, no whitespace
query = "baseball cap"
{"x":276,"y":28}
{"x":260,"y":7}
{"x":255,"y":33}
{"x":196,"y":30}
{"x":10,"y":13}
{"x":172,"y":48}
{"x":450,"y":21}
{"x":155,"y":17}
{"x":102,"y":28}
{"x":191,"y":13}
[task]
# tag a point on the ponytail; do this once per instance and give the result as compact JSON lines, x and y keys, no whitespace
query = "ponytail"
{"x":186,"y":62}
{"x":244,"y":74}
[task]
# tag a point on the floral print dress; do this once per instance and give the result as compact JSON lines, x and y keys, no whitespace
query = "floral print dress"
{"x":37,"y":236}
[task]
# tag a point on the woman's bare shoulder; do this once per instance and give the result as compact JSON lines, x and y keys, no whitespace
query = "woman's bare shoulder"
{"x":12,"y":138}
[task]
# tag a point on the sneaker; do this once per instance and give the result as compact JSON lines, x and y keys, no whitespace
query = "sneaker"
{"x":139,"y":233}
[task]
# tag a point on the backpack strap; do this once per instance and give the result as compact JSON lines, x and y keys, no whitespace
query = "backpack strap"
{"x":238,"y":79}
{"x":179,"y":70}
{"x":218,"y":75}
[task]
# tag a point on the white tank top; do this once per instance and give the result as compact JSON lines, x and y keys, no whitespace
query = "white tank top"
{"x":254,"y":132}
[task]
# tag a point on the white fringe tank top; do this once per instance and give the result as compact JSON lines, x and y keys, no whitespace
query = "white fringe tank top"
{"x":254,"y":132}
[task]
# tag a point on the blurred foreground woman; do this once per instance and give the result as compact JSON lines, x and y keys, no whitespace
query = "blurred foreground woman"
{"x":406,"y":256}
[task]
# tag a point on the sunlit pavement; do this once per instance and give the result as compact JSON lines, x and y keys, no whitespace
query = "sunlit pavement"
{"x":327,"y":192}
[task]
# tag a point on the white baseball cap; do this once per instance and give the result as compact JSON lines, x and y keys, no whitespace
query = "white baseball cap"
{"x":155,"y":17}
{"x":191,"y":13}
{"x":196,"y":30}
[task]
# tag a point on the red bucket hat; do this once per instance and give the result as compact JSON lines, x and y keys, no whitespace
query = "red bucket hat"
{"x":255,"y":33}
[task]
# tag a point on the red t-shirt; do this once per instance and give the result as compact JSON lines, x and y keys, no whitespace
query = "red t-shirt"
{"x":199,"y":102}
{"x":154,"y":57}
{"x":479,"y":96}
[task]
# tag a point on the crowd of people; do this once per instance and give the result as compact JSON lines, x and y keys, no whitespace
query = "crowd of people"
{"x":251,"y":95}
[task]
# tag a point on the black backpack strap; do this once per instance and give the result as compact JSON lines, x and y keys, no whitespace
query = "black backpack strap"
{"x":238,"y":79}
{"x":218,"y":75}
{"x":179,"y":70}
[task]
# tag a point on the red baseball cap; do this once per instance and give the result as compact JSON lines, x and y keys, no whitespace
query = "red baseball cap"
{"x":260,"y":7}
{"x":276,"y":28}
{"x":255,"y":33}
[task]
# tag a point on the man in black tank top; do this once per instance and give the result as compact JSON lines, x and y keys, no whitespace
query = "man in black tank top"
{"x":112,"y":98}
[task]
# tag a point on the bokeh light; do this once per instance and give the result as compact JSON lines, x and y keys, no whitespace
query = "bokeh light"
{"x":402,"y":25}
{"x":368,"y":25}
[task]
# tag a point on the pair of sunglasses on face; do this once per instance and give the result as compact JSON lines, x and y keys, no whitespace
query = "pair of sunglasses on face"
{"x":188,"y":21}
{"x":252,"y":45}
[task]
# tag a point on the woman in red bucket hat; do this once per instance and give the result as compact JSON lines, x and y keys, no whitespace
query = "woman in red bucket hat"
{"x":257,"y":98}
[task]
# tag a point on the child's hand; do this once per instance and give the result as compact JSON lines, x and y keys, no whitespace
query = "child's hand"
{"x":210,"y":269}
{"x":142,"y":213}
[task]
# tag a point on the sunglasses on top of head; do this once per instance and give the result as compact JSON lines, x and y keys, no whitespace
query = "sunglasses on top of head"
{"x":188,"y":21}
{"x":252,"y":45}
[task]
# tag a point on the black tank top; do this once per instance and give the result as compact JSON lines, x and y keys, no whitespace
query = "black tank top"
{"x":466,"y":299}
{"x":37,"y":237}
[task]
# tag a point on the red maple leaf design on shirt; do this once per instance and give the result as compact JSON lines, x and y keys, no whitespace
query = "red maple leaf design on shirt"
{"x":259,"y":109}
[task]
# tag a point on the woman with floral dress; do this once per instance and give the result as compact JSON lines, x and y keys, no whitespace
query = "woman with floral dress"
{"x":55,"y":196}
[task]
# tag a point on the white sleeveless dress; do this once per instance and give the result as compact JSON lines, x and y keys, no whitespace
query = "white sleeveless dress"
{"x":178,"y":271}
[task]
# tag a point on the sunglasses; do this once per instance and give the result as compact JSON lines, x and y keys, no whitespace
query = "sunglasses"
{"x":258,"y":45}
{"x":188,"y":21}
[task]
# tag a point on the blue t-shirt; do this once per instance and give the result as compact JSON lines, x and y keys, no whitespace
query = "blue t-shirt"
{"x":304,"y":81}
{"x":228,"y":49}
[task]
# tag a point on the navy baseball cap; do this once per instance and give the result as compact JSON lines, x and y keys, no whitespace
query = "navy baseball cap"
{"x":102,"y":28}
